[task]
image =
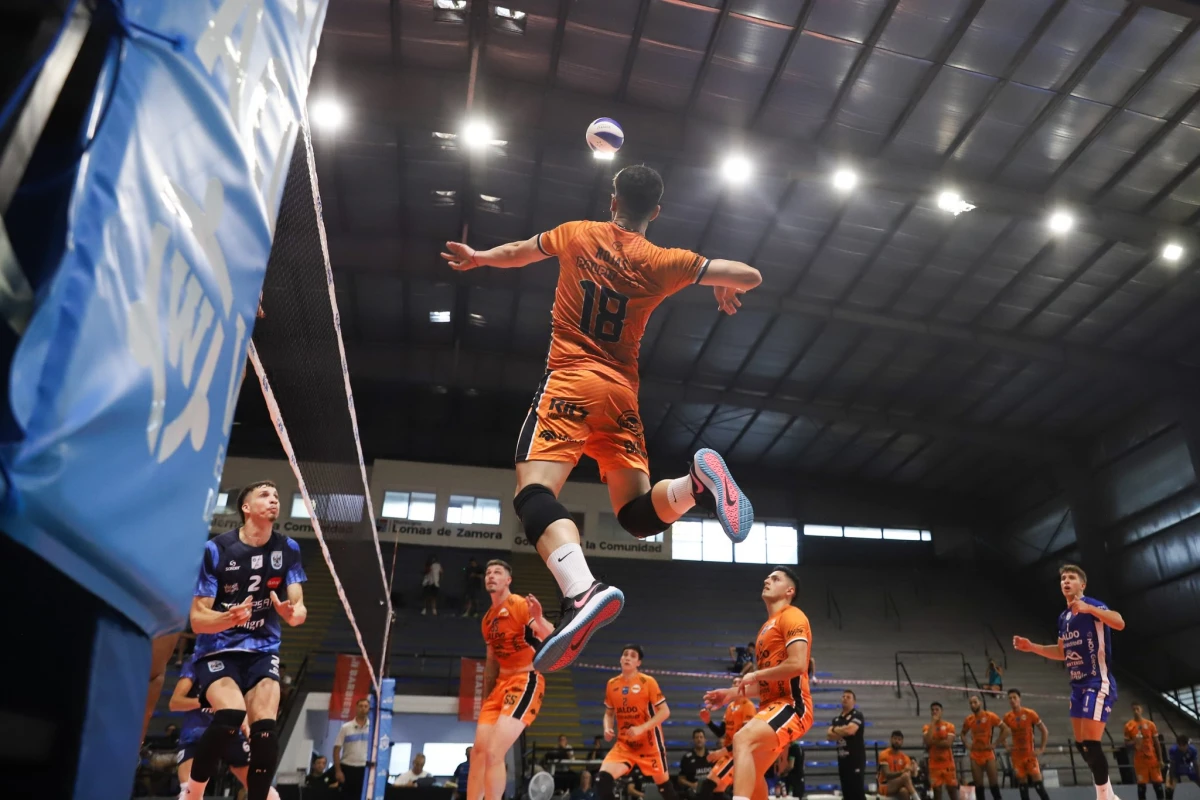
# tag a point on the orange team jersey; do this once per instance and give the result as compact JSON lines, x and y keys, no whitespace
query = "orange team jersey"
{"x":981,"y":726}
{"x":940,"y":753}
{"x":1147,"y":748}
{"x":1022,"y":725}
{"x":891,"y":761}
{"x":788,"y":626}
{"x":506,"y":631}
{"x":609,"y":282}
{"x":633,"y":701}
{"x":737,"y":714}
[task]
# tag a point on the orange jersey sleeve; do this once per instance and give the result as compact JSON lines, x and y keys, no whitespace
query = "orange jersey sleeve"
{"x":609,"y":282}
{"x":506,"y":631}
{"x":785,"y":628}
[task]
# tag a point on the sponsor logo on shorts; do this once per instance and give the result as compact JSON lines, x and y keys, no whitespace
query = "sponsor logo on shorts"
{"x":634,"y":448}
{"x":273,"y":583}
{"x":256,"y":562}
{"x":216,"y":666}
{"x":554,"y":436}
{"x":276,"y":559}
{"x":229,"y":588}
{"x":630,"y":421}
{"x":561,"y":409}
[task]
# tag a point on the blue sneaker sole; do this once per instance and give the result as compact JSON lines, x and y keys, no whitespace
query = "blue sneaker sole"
{"x":564,"y":646}
{"x":736,"y":518}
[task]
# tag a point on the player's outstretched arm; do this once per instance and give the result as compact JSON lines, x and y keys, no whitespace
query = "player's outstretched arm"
{"x":1054,"y":652}
{"x":179,"y":698}
{"x":205,"y":619}
{"x":463,"y":257}
{"x":538,"y":623}
{"x":731,"y":275}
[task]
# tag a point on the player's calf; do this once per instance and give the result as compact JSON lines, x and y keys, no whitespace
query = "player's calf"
{"x":213,"y":742}
{"x":639,"y":517}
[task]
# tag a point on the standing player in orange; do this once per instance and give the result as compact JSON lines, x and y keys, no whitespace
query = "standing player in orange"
{"x":634,"y":711}
{"x":512,"y":628}
{"x":1020,"y":722}
{"x":781,"y":684}
{"x":939,"y":740}
{"x":1142,"y":735}
{"x":739,"y":711}
{"x":610,"y":279}
{"x":981,"y":725}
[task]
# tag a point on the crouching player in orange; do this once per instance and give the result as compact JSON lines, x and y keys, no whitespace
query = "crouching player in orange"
{"x":634,"y":711}
{"x":981,"y":724}
{"x":939,"y":740}
{"x":512,"y":628}
{"x":740,"y":711}
{"x":781,"y":684}
{"x":1142,"y":735}
{"x":895,"y":771}
{"x":1020,"y":722}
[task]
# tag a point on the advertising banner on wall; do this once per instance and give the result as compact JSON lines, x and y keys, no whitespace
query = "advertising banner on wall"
{"x":489,"y":537}
{"x":470,"y":689}
{"x":350,"y":684}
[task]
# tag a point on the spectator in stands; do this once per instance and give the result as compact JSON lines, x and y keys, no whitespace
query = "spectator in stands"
{"x":791,"y":770}
{"x":320,"y":776}
{"x":1182,"y":760}
{"x":472,"y":588}
{"x":584,"y":790}
{"x":743,"y":657}
{"x":461,"y":773}
{"x":995,"y":676}
{"x":171,"y":736}
{"x":895,"y":770}
{"x":431,"y":581}
{"x":597,"y":752}
{"x":694,"y":766}
{"x":565,"y":778}
{"x":847,"y":731}
{"x":350,"y":750}
{"x":417,"y":773}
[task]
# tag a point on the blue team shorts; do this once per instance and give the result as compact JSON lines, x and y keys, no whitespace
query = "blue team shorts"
{"x":246,"y":669}
{"x":1088,"y":703}
{"x":237,"y":751}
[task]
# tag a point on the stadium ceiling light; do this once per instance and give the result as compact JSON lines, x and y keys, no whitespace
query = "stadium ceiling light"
{"x":478,"y":133}
{"x":601,"y":155}
{"x":1172,"y":251}
{"x":845,"y":179}
{"x":737,"y":169}
{"x":952,"y":201}
{"x":327,"y":114}
{"x":439,"y":316}
{"x":1061,"y":222}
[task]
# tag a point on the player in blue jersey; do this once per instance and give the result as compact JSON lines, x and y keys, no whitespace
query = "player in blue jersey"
{"x":236,"y":613}
{"x":195,"y":721}
{"x":1181,"y":763}
{"x":1085,"y":648}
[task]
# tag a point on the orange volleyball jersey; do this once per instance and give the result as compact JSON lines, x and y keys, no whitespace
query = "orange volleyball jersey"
{"x":737,"y":714}
{"x":893,"y":760}
{"x":940,"y":753}
{"x":1148,"y":746}
{"x":1022,"y":726}
{"x":609,"y":282}
{"x":788,"y":626}
{"x":981,"y":726}
{"x":633,"y":702}
{"x":506,"y":630}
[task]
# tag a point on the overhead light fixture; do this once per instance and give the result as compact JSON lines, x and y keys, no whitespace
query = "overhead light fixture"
{"x":439,"y":316}
{"x":1060,"y":222}
{"x":845,"y":179}
{"x":327,"y":114}
{"x":491,"y":203}
{"x":508,"y":20}
{"x":445,"y":198}
{"x":601,"y":155}
{"x":737,"y":169}
{"x":477,"y":320}
{"x":952,"y":201}
{"x":1172,"y":251}
{"x":478,"y":133}
{"x":450,"y":11}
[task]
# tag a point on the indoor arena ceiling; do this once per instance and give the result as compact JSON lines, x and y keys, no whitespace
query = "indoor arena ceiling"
{"x":891,"y":342}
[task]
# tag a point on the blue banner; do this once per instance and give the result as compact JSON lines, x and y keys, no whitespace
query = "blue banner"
{"x":126,"y":380}
{"x":381,"y":740}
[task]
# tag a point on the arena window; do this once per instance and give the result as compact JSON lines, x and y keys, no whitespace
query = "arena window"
{"x":417,"y":506}
{"x":823,"y":530}
{"x":330,"y":507}
{"x":222,"y":503}
{"x":854,"y":532}
{"x":467,"y":510}
{"x":703,"y":540}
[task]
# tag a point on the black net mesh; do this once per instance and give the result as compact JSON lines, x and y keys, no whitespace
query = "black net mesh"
{"x":298,"y":343}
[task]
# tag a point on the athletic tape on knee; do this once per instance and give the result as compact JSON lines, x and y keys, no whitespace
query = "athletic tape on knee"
{"x":264,"y":756}
{"x":538,"y":509}
{"x":639,"y":517}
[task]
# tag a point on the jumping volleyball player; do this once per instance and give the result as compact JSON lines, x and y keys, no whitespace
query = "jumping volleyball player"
{"x":1085,"y":647}
{"x":610,"y":279}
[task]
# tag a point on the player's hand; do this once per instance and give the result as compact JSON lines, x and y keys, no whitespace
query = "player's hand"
{"x":1079,"y":607}
{"x":705,"y":716}
{"x":727,"y":299}
{"x":1020,"y":643}
{"x":749,"y":679}
{"x":240,"y":614}
{"x":461,"y":256}
{"x":246,"y":728}
{"x":609,"y":735}
{"x":636,"y":732}
{"x":288,"y":611}
{"x":718,"y":698}
{"x":535,"y":607}
{"x":341,"y":776}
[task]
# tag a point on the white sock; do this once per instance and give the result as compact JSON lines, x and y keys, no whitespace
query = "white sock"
{"x":195,"y":790}
{"x":679,"y":495}
{"x":1104,"y":790}
{"x":738,"y":797}
{"x":570,"y":569}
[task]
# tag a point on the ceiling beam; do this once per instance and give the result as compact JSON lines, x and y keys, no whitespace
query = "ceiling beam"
{"x":662,"y":134}
{"x":508,"y":373}
{"x":1189,"y":9}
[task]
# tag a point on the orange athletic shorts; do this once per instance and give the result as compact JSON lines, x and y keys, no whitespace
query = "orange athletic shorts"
{"x":788,"y":722}
{"x":1148,"y":769}
{"x":518,"y":696}
{"x":983,"y":756}
{"x":650,"y":759}
{"x":722,"y":774}
{"x":579,"y":412}
{"x":1025,"y":766}
{"x":943,"y":774}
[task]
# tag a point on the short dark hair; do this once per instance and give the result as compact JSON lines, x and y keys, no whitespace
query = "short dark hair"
{"x":245,"y":492}
{"x":638,"y":189}
{"x":791,"y":574}
{"x":1078,"y":570}
{"x":637,"y":648}
{"x":850,"y":692}
{"x":934,"y":703}
{"x":1183,"y":739}
{"x":498,"y":562}
{"x":898,"y":733}
{"x":697,"y":730}
{"x":1017,"y":692}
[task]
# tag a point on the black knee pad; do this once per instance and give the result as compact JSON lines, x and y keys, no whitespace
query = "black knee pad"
{"x":606,"y":787}
{"x":707,"y":788}
{"x":538,"y":509}
{"x":995,"y":792}
{"x":214,"y":741}
{"x":229,"y":717}
{"x":667,"y":790}
{"x":1170,"y":793}
{"x":1158,"y":790}
{"x":264,"y":746}
{"x":1093,"y":756}
{"x":1141,"y":791}
{"x":639,"y":518}
{"x":1023,"y":790}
